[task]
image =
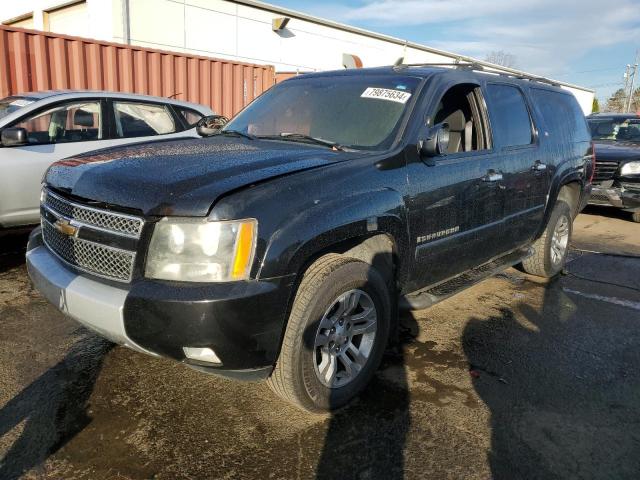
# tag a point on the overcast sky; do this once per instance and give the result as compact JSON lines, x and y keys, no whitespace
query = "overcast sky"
{"x":585,"y":42}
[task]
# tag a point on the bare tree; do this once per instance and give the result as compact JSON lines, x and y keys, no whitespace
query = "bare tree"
{"x":500,"y":57}
{"x":618,"y":101}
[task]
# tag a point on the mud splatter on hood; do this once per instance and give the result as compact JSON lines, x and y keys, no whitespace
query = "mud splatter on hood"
{"x":181,"y":177}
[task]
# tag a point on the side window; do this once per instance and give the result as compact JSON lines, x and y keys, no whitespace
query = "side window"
{"x":191,"y":117}
{"x":461,"y":107}
{"x":510,"y":120}
{"x":562,"y":115}
{"x":142,"y":119}
{"x":71,"y":122}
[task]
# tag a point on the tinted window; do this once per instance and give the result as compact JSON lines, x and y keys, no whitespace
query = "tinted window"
{"x":353,"y":111}
{"x":71,"y":122}
{"x":191,"y":117}
{"x":510,"y":121}
{"x":563,"y":117}
{"x":142,"y":119}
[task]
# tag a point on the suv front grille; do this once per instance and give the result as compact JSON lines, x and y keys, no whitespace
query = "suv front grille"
{"x":69,"y":244}
{"x":92,"y":257}
{"x":604,"y":171}
{"x":115,"y":222}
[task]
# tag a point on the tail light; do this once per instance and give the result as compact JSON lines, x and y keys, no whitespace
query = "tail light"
{"x":593,"y":161}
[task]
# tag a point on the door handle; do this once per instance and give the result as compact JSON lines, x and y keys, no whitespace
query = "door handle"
{"x":539,"y":166}
{"x":492,"y":176}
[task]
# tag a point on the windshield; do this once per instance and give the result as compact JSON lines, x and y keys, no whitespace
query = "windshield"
{"x":349,"y":111}
{"x":615,"y":129}
{"x":9,"y":105}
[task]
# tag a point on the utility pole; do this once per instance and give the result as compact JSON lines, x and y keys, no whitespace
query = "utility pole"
{"x":627,"y":72}
{"x":633,"y":79}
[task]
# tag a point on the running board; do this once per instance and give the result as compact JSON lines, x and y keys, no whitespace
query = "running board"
{"x":431,"y":295}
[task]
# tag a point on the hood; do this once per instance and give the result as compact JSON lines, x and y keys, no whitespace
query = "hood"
{"x":617,"y":151}
{"x":181,"y":177}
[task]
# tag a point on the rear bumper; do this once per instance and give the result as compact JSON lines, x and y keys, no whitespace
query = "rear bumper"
{"x":620,"y":197}
{"x":242,"y":322}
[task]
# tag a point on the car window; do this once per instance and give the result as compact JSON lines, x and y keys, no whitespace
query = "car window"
{"x":459,"y":108}
{"x":142,"y":119}
{"x":70,"y":122}
{"x":510,"y":120}
{"x":615,"y":129}
{"x":191,"y":117}
{"x":562,"y":115}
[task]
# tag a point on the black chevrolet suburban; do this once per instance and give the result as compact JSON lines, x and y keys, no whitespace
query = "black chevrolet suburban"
{"x":283,"y":246}
{"x":616,"y":181}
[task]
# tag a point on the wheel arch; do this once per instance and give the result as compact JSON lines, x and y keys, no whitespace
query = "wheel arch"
{"x":569,"y":189}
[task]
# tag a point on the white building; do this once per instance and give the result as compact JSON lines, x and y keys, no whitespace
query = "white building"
{"x":244,"y":30}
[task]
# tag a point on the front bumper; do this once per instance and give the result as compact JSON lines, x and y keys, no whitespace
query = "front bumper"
{"x":242,"y":322}
{"x":616,"y":196}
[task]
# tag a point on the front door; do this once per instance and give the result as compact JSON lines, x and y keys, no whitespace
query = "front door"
{"x":53,"y":134}
{"x":65,"y":130}
{"x":456,"y":200}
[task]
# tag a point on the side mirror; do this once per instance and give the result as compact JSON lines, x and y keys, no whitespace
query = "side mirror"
{"x":210,"y":125}
{"x":437,"y":141}
{"x":13,"y":137}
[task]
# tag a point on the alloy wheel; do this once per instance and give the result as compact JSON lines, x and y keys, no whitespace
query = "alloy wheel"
{"x":345,"y":338}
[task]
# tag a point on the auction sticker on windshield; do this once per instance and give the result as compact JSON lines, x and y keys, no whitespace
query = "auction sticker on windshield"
{"x":386,"y":94}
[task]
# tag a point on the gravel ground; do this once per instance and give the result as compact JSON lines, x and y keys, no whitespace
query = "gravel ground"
{"x":513,"y":378}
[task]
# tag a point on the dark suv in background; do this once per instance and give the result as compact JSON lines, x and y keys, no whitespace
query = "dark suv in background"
{"x":617,"y":149}
{"x":283,"y":246}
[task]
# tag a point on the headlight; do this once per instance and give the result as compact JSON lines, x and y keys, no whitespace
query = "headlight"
{"x":190,"y":250}
{"x":631,"y":168}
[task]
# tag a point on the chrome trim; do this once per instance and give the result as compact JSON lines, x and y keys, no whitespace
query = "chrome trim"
{"x":101,"y":245}
{"x":98,"y":211}
{"x":79,"y":223}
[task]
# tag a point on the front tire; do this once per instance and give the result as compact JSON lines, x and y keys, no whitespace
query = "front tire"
{"x":336,"y":334}
{"x":550,"y":250}
{"x":635,"y":216}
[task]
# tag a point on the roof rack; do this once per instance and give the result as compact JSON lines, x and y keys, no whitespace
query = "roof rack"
{"x":472,"y":65}
{"x":475,"y":66}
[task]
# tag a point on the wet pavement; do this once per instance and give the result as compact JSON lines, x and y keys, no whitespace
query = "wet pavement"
{"x":514,"y":378}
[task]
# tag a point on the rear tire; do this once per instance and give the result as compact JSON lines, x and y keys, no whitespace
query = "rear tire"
{"x":550,"y":250}
{"x":316,"y":346}
{"x":635,"y":216}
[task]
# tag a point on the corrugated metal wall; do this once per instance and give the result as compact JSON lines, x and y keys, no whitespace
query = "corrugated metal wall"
{"x":31,"y":60}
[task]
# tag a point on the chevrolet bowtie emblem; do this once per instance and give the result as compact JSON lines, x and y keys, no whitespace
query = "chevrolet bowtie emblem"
{"x":65,"y":227}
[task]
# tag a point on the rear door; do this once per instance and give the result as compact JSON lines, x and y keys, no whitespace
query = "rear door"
{"x":456,"y":200}
{"x":526,"y":171}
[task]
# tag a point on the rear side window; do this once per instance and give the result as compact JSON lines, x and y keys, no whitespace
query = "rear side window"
{"x":510,"y":120}
{"x":142,"y":119}
{"x":562,"y":115}
{"x":191,"y":117}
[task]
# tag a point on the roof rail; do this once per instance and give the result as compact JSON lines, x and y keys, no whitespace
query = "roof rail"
{"x":470,"y":65}
{"x":475,"y":66}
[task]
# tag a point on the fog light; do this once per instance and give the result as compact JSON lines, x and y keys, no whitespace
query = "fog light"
{"x":201,"y":354}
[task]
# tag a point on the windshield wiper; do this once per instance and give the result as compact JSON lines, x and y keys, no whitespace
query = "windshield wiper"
{"x":299,"y":137}
{"x":237,"y":132}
